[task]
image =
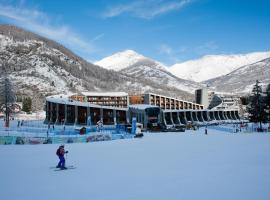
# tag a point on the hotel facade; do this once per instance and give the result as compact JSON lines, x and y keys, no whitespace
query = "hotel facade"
{"x":151,"y":109}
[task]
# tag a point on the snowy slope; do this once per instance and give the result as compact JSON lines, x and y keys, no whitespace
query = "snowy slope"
{"x":159,"y":166}
{"x":243,"y":79}
{"x":160,"y":76}
{"x":212,"y":66}
{"x":31,"y":66}
{"x":135,"y":65}
{"x":124,"y":59}
{"x":39,"y":67}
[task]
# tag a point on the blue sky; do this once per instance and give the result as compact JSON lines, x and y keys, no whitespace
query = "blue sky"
{"x":169,"y":31}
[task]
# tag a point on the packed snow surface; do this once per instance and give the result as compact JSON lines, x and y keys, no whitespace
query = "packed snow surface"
{"x":159,"y":166}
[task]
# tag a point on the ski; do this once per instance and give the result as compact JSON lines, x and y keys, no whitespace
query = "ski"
{"x":67,"y":168}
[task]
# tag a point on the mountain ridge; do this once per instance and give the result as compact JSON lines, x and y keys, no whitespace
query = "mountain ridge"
{"x":197,"y":70}
{"x":134,"y":64}
{"x":40,"y":67}
{"x":242,"y":79}
{"x":212,"y":66}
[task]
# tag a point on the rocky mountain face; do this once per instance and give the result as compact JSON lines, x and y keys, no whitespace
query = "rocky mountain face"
{"x":233,"y":73}
{"x":39,"y":67}
{"x":242,"y":79}
{"x":135,"y":65}
{"x":212,"y":66}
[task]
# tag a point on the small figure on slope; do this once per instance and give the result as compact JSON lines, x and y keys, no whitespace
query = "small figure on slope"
{"x":60,"y":153}
{"x":205,"y":130}
{"x":99,"y":125}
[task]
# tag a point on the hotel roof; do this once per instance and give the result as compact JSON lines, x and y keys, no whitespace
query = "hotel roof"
{"x":105,"y":94}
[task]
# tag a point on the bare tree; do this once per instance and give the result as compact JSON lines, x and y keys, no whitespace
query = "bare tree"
{"x":7,"y":96}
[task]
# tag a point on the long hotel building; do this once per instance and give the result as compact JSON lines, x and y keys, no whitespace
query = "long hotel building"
{"x":164,"y":102}
{"x":113,"y":99}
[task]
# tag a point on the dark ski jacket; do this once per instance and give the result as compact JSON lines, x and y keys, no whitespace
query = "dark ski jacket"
{"x":60,"y":151}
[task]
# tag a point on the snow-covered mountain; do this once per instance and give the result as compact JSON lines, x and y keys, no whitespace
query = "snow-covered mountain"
{"x":243,"y":79}
{"x":125,"y":59}
{"x":212,"y":66}
{"x":39,"y":67}
{"x":135,"y":65}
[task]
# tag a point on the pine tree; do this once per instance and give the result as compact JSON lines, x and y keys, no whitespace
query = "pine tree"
{"x":27,"y":104}
{"x":267,"y":100}
{"x":257,"y":107}
{"x":7,"y":98}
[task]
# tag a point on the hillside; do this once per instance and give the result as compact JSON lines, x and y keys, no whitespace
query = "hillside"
{"x":212,"y":66}
{"x":242,"y":79}
{"x":39,"y":67}
{"x":136,"y":65}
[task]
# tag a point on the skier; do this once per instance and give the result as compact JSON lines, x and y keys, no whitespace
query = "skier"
{"x":99,"y":125}
{"x":205,"y":131}
{"x":60,"y":153}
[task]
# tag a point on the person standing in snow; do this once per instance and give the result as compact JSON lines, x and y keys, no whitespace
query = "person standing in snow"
{"x":205,"y":130}
{"x":60,"y":153}
{"x":99,"y":125}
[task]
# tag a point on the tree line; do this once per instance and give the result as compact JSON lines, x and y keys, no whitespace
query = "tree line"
{"x":258,"y":106}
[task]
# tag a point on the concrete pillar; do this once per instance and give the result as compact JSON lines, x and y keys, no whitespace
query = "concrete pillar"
{"x":114,"y":116}
{"x":65,"y":120}
{"x":88,"y":116}
{"x":196,"y":115}
{"x":218,"y":115}
{"x":163,"y":118}
{"x":51,"y":108}
{"x":101,"y":114}
{"x":185,"y":117}
{"x":171,"y":117}
{"x":224,"y":117}
{"x":205,"y":118}
{"x":76,"y":115}
{"x":57,"y":114}
{"x":178,"y":118}
{"x":208,"y":116}
{"x":237,"y":115}
{"x":201,"y":113}
{"x":191,"y":117}
{"x":233,"y":115}
{"x":127,"y":117}
{"x":47,"y":112}
{"x":227,"y":115}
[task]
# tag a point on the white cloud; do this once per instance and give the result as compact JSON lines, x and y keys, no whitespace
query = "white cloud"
{"x":38,"y":22}
{"x":98,"y":37}
{"x":146,"y":9}
{"x":165,"y":49}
